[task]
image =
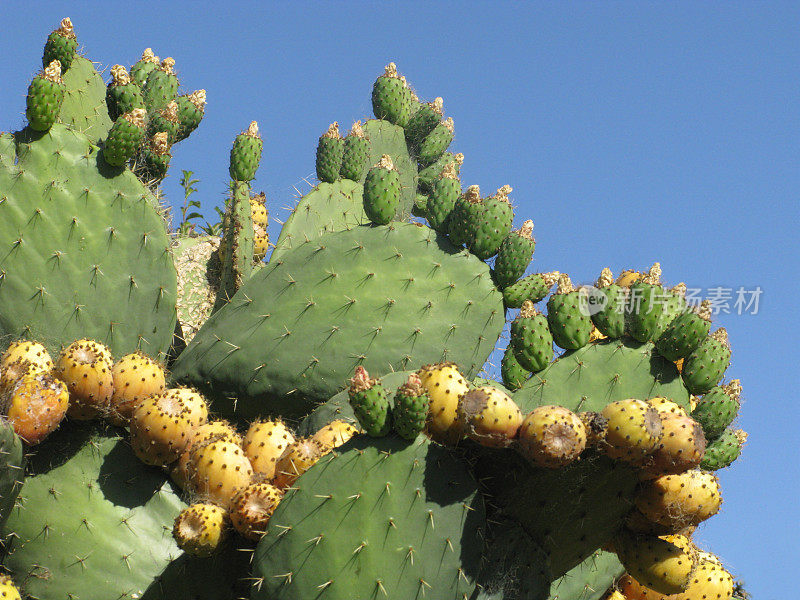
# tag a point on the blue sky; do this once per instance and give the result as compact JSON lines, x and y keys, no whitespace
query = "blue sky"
{"x":631,"y":132}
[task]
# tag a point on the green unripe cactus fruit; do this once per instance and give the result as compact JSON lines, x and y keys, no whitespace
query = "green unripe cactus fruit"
{"x":718,"y":408}
{"x":191,"y":109}
{"x":514,"y":255}
{"x":155,"y":157}
{"x":61,"y":45}
{"x":645,"y":306}
{"x":610,"y":321}
{"x":467,"y":204}
{"x":491,"y":224}
{"x":704,"y":368}
{"x":161,"y":86}
{"x":444,"y":193}
{"x":246,"y":154}
{"x":124,"y":138}
{"x":514,"y":374}
{"x":533,"y":287}
{"x":391,"y":97}
{"x":329,"y":154}
{"x":165,"y":120}
{"x":430,"y":174}
{"x":531,"y":338}
{"x":122,"y":95}
{"x":143,"y":68}
{"x":568,"y":315}
{"x":436,"y":142}
{"x":724,"y":450}
{"x":382,"y":192}
{"x":370,"y":403}
{"x":410,"y":410}
{"x":355,"y":156}
{"x":684,"y":334}
{"x":45,"y":96}
{"x":423,"y":121}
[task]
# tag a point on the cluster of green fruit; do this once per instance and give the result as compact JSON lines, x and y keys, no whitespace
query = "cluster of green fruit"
{"x":577,"y":467}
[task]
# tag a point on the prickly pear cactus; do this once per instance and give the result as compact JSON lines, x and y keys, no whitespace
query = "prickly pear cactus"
{"x":71,"y":225}
{"x":93,"y":519}
{"x":84,"y":108}
{"x":12,"y":464}
{"x":381,"y":297}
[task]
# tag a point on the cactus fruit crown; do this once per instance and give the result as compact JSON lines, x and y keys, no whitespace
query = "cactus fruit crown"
{"x":160,"y":143}
{"x":198,"y":98}
{"x":450,"y":170}
{"x":528,"y":310}
{"x":332,"y":131}
{"x":449,"y":125}
{"x":357,"y":130}
{"x":385,"y":162}
{"x":704,"y":310}
{"x":412,"y":387}
{"x":473,"y":194}
{"x":252,"y":130}
{"x":119,"y":75}
{"x":526,"y":230}
{"x":52,"y":72}
{"x":66,"y":29}
{"x":564,"y":284}
{"x":361,"y":380}
{"x":391,"y":71}
{"x":721,"y":335}
{"x":168,"y":65}
{"x":503,"y":192}
{"x":170,"y":111}
{"x":606,"y":278}
{"x":653,"y":276}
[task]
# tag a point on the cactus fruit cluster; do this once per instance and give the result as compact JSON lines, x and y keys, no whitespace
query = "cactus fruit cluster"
{"x":197,"y":417}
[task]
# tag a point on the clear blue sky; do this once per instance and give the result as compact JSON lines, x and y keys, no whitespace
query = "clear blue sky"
{"x":631,"y":132}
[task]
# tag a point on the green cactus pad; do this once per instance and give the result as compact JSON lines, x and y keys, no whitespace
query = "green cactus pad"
{"x":84,"y":107}
{"x":246,"y":154}
{"x":161,"y":86}
{"x":44,"y":99}
{"x":401,"y":298}
{"x":384,"y":515}
{"x":432,"y":172}
{"x":533,"y":287}
{"x":12,"y":468}
{"x":724,"y":450}
{"x":191,"y":110}
{"x":420,"y":206}
{"x":445,"y":192}
{"x":327,"y":208}
{"x":717,"y":409}
{"x":531,"y":339}
{"x":568,"y":316}
{"x":329,"y":154}
{"x":391,"y":98}
{"x":683,"y":335}
{"x":370,"y":405}
{"x":87,"y":253}
{"x":124,"y":139}
{"x":410,"y":409}
{"x":355,"y":155}
{"x":435,"y":143}
{"x":61,"y":45}
{"x":704,"y":368}
{"x":514,"y":374}
{"x":382,"y":192}
{"x":92,"y":517}
{"x":514,"y":255}
{"x":590,"y":580}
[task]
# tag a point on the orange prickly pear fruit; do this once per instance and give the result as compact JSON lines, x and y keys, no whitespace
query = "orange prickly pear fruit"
{"x":135,"y":377}
{"x":85,"y":366}
{"x":264,"y":443}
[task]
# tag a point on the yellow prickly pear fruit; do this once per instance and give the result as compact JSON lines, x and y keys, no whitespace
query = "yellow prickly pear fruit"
{"x":264,"y":443}
{"x":258,"y":210}
{"x":218,"y":469}
{"x":135,"y":377}
{"x":219,"y":429}
{"x":36,"y":406}
{"x":252,"y":508}
{"x":162,"y":425}
{"x":677,"y":501}
{"x":628,"y":277}
{"x":8,"y":591}
{"x":666,"y":406}
{"x":681,"y":448}
{"x":596,"y":335}
{"x":85,"y":366}
{"x":710,"y":582}
{"x":14,"y":371}
{"x":335,"y":434}
{"x":490,"y":416}
{"x":33,"y":352}
{"x":615,"y":595}
{"x":665,"y":564}
{"x":200,"y":529}
{"x":633,"y":431}
{"x":552,"y":436}
{"x":444,"y":385}
{"x":298,"y":458}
